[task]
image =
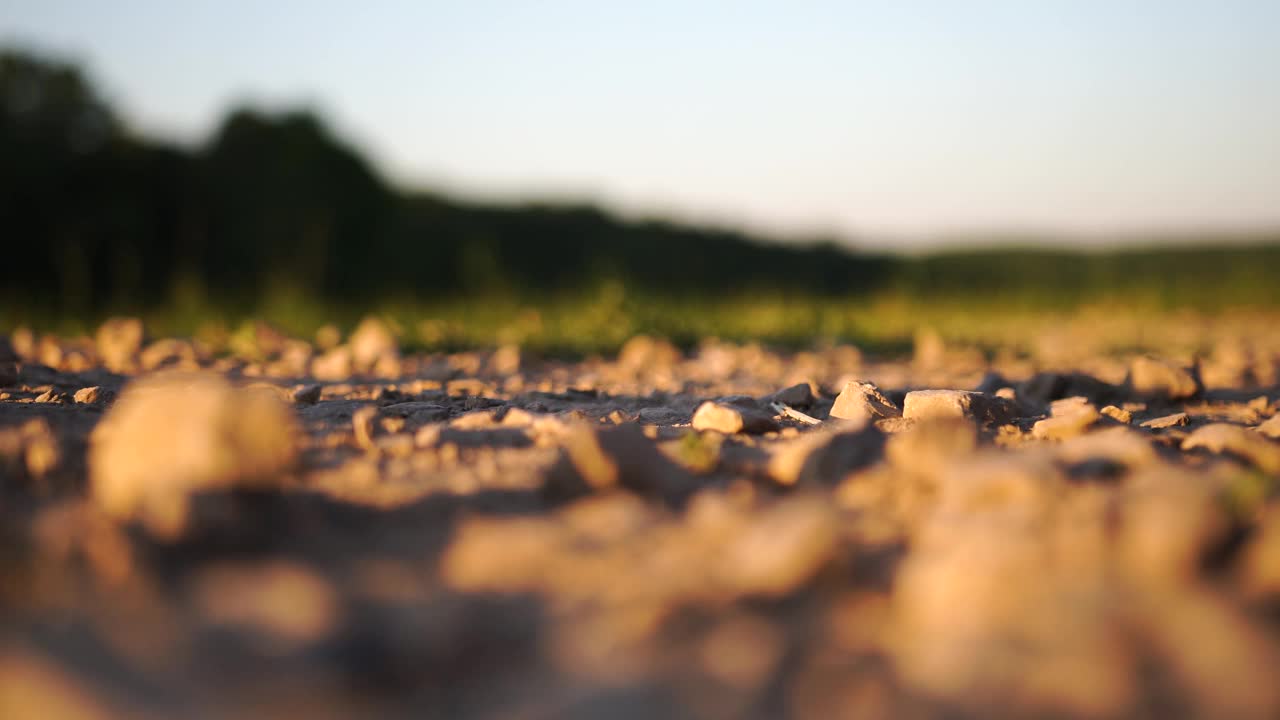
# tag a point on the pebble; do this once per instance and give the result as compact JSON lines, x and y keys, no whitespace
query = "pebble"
{"x":306,"y":394}
{"x":939,"y":404}
{"x":732,"y":418}
{"x":644,"y":353}
{"x":1167,"y":421}
{"x":799,"y":395}
{"x":94,"y":395}
{"x":1241,"y":441}
{"x":118,"y":342}
{"x":1117,"y":414}
{"x":1070,"y":417}
{"x":862,"y":401}
{"x":371,"y":342}
{"x":1161,"y":378}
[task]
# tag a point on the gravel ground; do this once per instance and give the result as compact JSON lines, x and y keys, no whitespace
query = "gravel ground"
{"x":331,"y":528}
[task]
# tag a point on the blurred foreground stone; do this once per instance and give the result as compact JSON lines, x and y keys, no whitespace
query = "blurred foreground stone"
{"x":170,"y":435}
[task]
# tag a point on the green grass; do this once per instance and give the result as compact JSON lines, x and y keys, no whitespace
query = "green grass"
{"x":600,"y":320}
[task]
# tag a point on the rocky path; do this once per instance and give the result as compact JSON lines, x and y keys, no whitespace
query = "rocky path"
{"x":287,"y":528}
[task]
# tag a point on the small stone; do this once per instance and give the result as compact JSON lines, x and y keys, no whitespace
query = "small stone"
{"x":1240,"y":441}
{"x":1167,"y":421}
{"x":1161,"y":378}
{"x":169,"y":353}
{"x":937,"y":404}
{"x":1070,"y":417}
{"x":118,"y":342}
{"x":294,"y":359}
{"x":334,"y":364}
{"x":643,"y":352}
{"x":940,"y":404}
{"x":1118,"y":414}
{"x":732,"y":418}
{"x":618,"y":417}
{"x":94,"y":395}
{"x":51,"y":396}
{"x":389,"y":366}
{"x":1068,"y":426}
{"x":372,"y":341}
{"x":506,"y":360}
{"x":799,"y":395}
{"x":306,"y":394}
{"x":862,"y":401}
{"x":23,"y":343}
{"x":1069,"y":406}
{"x":50,"y":351}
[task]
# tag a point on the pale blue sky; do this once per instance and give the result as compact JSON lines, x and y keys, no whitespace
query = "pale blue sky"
{"x":888,"y":120}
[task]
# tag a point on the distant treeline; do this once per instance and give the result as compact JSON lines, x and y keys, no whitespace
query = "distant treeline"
{"x":96,"y":216}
